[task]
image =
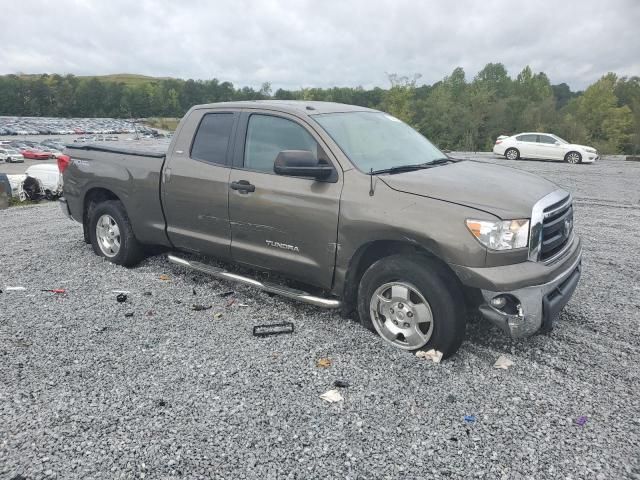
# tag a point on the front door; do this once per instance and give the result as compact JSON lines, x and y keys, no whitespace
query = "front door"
{"x":195,"y":184}
{"x":548,"y":149}
{"x":280,"y":223}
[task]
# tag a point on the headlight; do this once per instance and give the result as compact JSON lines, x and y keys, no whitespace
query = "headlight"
{"x":590,"y":150}
{"x":501,"y":235}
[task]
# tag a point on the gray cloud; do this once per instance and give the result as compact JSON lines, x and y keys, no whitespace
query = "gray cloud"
{"x":306,"y":43}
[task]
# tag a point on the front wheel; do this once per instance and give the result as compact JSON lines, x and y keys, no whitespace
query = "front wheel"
{"x":112,"y":236}
{"x":573,"y":157}
{"x":413,"y":304}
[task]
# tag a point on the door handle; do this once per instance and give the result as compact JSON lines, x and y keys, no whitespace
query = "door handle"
{"x":242,"y":186}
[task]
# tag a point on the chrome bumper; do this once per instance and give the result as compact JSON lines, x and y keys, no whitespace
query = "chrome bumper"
{"x":65,"y":207}
{"x":538,"y":305}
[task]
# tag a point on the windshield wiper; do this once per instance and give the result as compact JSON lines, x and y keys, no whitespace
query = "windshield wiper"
{"x":410,"y":168}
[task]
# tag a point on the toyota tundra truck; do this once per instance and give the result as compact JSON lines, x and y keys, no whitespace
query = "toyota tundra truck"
{"x":349,"y":207}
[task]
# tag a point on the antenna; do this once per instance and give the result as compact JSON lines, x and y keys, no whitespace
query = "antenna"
{"x":371,"y":192}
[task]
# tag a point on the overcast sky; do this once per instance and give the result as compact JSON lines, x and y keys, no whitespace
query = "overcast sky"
{"x":303,"y":43}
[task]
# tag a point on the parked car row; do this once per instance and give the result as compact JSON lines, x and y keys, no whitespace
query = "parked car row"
{"x":544,"y":146}
{"x":65,"y":126}
{"x":13,"y":151}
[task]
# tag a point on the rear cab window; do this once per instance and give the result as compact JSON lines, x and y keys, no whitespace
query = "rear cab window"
{"x":213,"y":137}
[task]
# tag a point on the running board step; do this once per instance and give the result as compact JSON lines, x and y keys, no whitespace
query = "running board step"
{"x":267,"y":287}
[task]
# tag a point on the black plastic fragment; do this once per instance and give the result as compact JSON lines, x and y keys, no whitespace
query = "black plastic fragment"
{"x":273,"y":329}
{"x":128,"y":314}
{"x":121,"y":298}
{"x":341,"y":384}
{"x":199,"y":308}
{"x":226,"y":294}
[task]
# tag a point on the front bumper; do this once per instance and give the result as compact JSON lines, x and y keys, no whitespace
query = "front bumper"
{"x":537,"y":306}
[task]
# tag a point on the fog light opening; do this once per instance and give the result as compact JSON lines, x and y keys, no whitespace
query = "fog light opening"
{"x":507,"y":304}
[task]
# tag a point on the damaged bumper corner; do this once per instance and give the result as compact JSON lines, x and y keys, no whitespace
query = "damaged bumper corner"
{"x":534,"y":308}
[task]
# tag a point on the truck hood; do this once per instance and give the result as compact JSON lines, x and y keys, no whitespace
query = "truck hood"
{"x":502,"y":191}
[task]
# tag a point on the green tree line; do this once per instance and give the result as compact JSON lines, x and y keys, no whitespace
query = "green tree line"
{"x":455,"y":113}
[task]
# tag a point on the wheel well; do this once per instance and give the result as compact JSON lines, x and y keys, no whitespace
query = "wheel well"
{"x":370,"y":253}
{"x":95,"y":196}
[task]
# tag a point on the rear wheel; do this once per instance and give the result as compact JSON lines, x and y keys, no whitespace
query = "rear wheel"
{"x":112,"y":236}
{"x":512,"y":154}
{"x":413,"y":304}
{"x":573,"y":157}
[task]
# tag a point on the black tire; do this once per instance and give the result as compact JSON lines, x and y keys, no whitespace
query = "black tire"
{"x":572,"y":155}
{"x":517,"y":152}
{"x":434,"y":283}
{"x":130,"y":251}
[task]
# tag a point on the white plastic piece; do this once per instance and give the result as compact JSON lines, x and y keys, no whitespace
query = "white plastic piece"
{"x":434,"y":355}
{"x":503,"y":363}
{"x":331,"y":396}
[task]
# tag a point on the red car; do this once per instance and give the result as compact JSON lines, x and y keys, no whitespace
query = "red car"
{"x":35,"y":154}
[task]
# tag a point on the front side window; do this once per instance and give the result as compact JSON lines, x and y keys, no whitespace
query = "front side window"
{"x":268,"y":135}
{"x":212,"y":138}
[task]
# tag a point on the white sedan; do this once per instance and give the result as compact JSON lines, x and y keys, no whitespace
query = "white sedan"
{"x":10,"y":156}
{"x":543,"y":145}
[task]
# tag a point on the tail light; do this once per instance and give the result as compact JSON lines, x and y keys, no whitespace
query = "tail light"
{"x":63,"y":162}
{"x":498,"y":142}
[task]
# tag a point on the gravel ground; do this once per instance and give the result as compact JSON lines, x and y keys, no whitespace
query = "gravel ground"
{"x":88,"y":392}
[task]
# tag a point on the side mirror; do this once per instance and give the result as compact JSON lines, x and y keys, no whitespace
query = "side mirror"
{"x":556,"y":143}
{"x":301,"y":163}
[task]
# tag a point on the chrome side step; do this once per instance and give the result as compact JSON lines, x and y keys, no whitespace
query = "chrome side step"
{"x":267,"y":287}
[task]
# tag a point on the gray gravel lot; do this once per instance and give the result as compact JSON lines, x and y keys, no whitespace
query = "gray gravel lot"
{"x":86,"y":392}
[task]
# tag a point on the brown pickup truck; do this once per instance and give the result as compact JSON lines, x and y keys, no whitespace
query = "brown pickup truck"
{"x":356,"y":207}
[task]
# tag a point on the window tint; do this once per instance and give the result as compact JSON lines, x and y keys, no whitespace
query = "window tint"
{"x":212,"y":138}
{"x":526,"y":138}
{"x":546,"y":139}
{"x":267,"y":136}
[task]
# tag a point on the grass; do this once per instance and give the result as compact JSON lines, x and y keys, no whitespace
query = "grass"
{"x":163,"y":123}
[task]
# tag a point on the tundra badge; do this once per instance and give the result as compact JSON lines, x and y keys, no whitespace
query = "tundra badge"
{"x":283,"y":246}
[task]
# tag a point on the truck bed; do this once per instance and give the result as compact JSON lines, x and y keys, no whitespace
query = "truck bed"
{"x":131,"y":170}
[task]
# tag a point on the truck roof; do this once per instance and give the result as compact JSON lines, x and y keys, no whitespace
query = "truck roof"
{"x":308,"y":107}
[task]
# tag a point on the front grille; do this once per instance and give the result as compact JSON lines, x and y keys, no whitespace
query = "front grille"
{"x":557,"y":228}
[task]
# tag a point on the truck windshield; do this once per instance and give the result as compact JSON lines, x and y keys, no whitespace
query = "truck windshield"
{"x":375,"y":140}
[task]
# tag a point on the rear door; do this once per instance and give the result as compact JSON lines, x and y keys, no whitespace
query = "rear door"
{"x":286,"y":224}
{"x":195,"y":183}
{"x":527,"y":145}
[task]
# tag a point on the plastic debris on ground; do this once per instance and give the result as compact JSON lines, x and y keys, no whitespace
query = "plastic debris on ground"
{"x":164,"y":277}
{"x":227,"y":293}
{"x":332,"y":396}
{"x":470,"y":418}
{"x":121,"y":298}
{"x":273,"y":329}
{"x":14,"y":289}
{"x":582,"y":420}
{"x":55,"y":290}
{"x":217,"y":315}
{"x":230,"y":302}
{"x":200,"y":308}
{"x":341,"y":384}
{"x":147,"y":294}
{"x":503,"y":363}
{"x":434,"y":355}
{"x":323,"y":363}
{"x":128,"y":314}
{"x":126,"y":292}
